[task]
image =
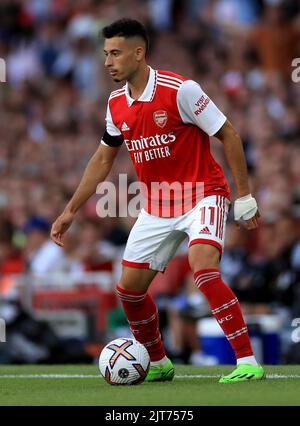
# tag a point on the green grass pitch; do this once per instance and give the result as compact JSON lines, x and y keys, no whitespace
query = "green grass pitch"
{"x":192,"y":386}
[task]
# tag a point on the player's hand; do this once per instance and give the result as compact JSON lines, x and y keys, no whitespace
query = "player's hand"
{"x":245,"y":208}
{"x":60,"y":226}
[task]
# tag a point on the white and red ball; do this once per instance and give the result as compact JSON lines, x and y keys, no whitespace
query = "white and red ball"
{"x":124,"y":361}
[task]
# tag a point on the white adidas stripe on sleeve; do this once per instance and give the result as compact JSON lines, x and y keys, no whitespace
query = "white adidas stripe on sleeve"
{"x":110,"y":127}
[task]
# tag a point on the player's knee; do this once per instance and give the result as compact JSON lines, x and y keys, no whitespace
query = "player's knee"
{"x":203,"y":256}
{"x":124,"y":284}
{"x":137,"y":280}
{"x":129,"y":282}
{"x":204,"y":264}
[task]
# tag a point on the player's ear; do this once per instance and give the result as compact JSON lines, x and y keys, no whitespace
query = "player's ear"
{"x":139,"y":53}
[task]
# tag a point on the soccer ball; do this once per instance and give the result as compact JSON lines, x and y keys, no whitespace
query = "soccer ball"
{"x":124,"y":361}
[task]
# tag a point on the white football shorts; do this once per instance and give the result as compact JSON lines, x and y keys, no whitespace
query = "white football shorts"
{"x":153,"y":240}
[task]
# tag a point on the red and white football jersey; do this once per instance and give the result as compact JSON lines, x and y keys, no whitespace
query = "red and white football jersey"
{"x":166,"y":132}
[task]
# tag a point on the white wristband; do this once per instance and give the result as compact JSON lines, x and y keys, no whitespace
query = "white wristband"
{"x":245,"y":207}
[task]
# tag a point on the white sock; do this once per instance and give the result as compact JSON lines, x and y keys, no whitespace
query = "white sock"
{"x":247,"y":360}
{"x":160,"y":363}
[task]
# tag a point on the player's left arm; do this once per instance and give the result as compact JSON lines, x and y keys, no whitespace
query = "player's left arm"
{"x":195,"y":107}
{"x":245,"y":206}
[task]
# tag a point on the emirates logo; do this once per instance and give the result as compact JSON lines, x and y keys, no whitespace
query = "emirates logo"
{"x":160,"y":118}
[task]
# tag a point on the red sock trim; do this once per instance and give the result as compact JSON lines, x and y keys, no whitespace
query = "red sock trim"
{"x":129,"y":293}
{"x":203,"y":271}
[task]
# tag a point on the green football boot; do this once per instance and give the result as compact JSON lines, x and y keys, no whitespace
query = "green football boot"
{"x":161,"y":374}
{"x":244,"y":373}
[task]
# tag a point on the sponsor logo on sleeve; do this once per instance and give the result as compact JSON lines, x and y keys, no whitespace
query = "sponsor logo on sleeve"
{"x":201,"y":104}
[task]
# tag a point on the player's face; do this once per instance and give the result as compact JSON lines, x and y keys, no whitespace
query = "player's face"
{"x":122,"y":57}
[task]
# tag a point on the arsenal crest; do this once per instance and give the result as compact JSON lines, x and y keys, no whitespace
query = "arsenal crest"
{"x":160,"y":118}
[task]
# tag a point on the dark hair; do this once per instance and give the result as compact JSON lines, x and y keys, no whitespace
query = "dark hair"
{"x":126,"y":28}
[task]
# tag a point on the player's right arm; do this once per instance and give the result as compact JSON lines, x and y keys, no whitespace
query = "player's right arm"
{"x":95,"y":173}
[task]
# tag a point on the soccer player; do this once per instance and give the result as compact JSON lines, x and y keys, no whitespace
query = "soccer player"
{"x":165,"y":121}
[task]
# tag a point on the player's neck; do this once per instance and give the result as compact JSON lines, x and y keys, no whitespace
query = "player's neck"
{"x":137,"y":84}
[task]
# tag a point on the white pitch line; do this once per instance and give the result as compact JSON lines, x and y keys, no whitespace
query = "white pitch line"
{"x":96,"y":376}
{"x":48,"y":376}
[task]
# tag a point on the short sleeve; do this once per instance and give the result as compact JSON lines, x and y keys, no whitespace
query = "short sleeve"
{"x":111,"y":132}
{"x":195,"y":107}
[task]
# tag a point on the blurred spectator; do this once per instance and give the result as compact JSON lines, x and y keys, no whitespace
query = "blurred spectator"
{"x":246,"y":279}
{"x":284,"y":269}
{"x":69,"y":261}
{"x":95,"y":253}
{"x":161,"y":12}
{"x":11,"y":258}
{"x":79,"y":59}
{"x":32,"y":341}
{"x":274,"y":40}
{"x":40,"y":252}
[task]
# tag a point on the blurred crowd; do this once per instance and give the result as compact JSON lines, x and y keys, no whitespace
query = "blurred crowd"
{"x":52,"y":110}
